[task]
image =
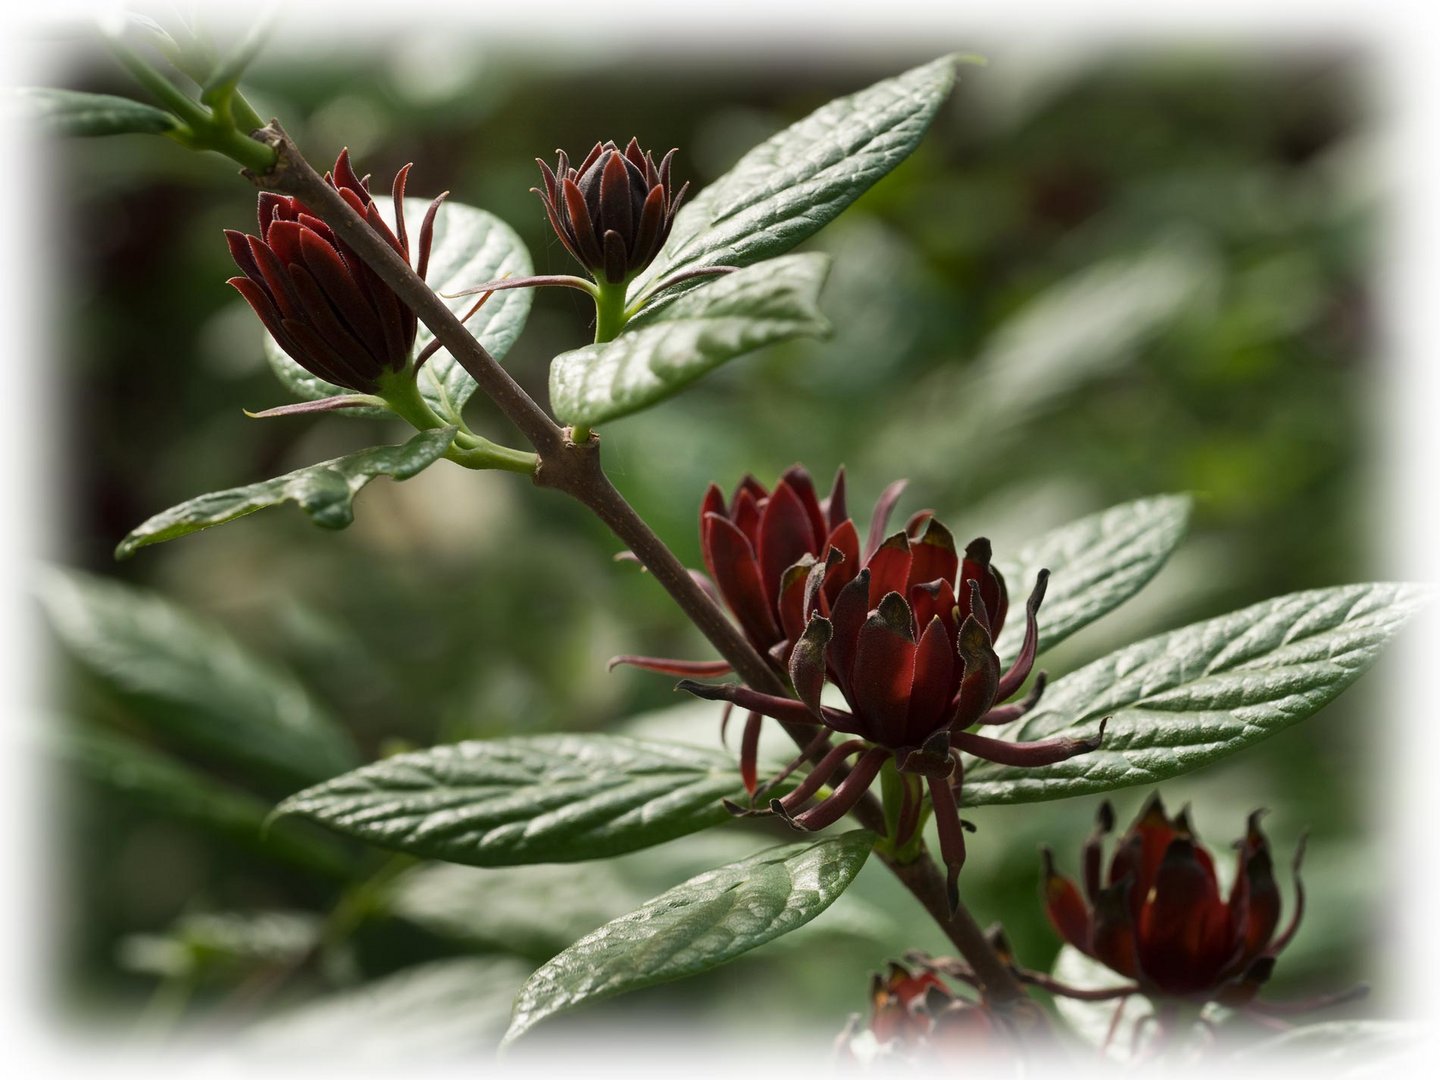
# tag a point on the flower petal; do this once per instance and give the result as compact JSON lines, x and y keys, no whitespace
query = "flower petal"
{"x":889,"y":568}
{"x":785,"y":536}
{"x":881,"y":515}
{"x":935,"y":675}
{"x":1182,"y":931}
{"x":698,"y":669}
{"x":884,"y":672}
{"x":848,"y":615}
{"x":798,"y":480}
{"x":834,"y":503}
{"x":976,"y":567}
{"x":1013,"y":679}
{"x":932,"y":555}
{"x":1066,"y":909}
{"x":807,"y":662}
{"x":982,"y":673}
{"x":733,"y":565}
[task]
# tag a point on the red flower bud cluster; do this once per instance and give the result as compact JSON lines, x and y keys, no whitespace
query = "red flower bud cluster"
{"x":328,"y":310}
{"x":1157,"y":915}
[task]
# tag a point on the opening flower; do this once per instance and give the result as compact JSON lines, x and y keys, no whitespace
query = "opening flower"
{"x":329,"y":311}
{"x":614,"y":212}
{"x":1157,"y":915}
{"x":905,"y":633}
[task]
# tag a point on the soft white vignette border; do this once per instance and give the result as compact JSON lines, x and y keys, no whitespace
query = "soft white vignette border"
{"x":1404,"y":516}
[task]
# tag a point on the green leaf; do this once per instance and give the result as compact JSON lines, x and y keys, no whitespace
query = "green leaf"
{"x":542,"y":798}
{"x":471,"y":246}
{"x":800,"y":179}
{"x":190,"y":681}
{"x":705,"y":922}
{"x":1096,"y":564}
{"x":436,"y":1012}
{"x":70,"y":112}
{"x":162,"y":784}
{"x":1184,"y":699}
{"x":324,"y":491}
{"x":663,"y":351}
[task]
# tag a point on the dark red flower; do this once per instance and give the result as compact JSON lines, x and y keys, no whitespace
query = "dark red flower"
{"x":615,"y":211}
{"x":1157,"y":916}
{"x":328,"y":310}
{"x":906,"y":634}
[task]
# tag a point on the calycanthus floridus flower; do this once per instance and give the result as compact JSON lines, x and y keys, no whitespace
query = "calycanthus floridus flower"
{"x":613,"y":212}
{"x":1157,"y":916}
{"x":904,"y":631}
{"x":320,"y":302}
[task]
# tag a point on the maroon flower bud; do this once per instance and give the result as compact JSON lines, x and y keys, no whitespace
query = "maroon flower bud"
{"x":329,"y":311}
{"x":614,"y":212}
{"x":1158,"y":916}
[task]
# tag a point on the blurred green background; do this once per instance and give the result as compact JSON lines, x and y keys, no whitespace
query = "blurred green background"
{"x":1104,"y":274}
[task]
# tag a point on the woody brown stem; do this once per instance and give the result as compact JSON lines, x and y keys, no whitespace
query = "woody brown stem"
{"x":923,"y":878}
{"x":574,"y":468}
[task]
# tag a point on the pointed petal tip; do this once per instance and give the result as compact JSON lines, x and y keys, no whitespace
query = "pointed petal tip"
{"x":1153,"y":812}
{"x":1252,"y":824}
{"x":1098,"y":739}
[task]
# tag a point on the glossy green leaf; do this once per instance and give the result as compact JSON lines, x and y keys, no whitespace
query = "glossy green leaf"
{"x":1184,"y":699}
{"x":170,"y":787}
{"x":71,"y":112}
{"x":1095,"y":564}
{"x":439,"y":1012}
{"x":190,"y":681}
{"x":543,"y":798}
{"x":698,"y":925}
{"x":659,"y":354}
{"x":471,"y":246}
{"x":325,"y":491}
{"x":800,"y":179}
